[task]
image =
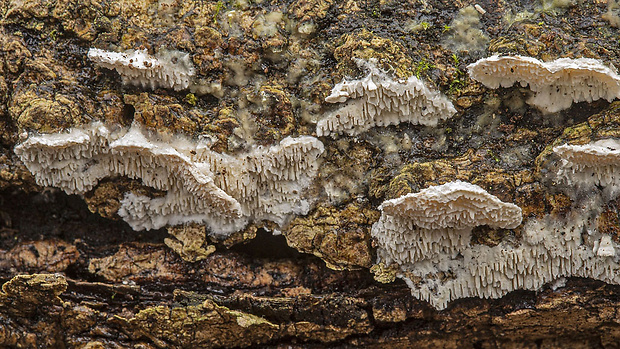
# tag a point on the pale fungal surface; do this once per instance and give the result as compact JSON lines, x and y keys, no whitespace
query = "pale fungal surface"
{"x":605,"y":248}
{"x":556,"y":84}
{"x":437,"y":220}
{"x":454,"y":205}
{"x":593,"y":164}
{"x":379,"y":100}
{"x":225,"y":192}
{"x":439,"y":263}
{"x":167,"y":69}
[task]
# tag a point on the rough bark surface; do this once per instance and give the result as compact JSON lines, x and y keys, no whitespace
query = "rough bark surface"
{"x":75,"y":276}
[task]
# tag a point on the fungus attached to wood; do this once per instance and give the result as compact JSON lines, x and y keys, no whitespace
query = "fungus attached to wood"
{"x":167,"y":69}
{"x":438,"y":219}
{"x":556,"y":84}
{"x":593,"y":164}
{"x":378,"y":100}
{"x":225,"y":192}
{"x":426,"y":236}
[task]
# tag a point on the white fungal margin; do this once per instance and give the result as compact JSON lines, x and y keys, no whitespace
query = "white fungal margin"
{"x":556,"y":84}
{"x":225,"y":192}
{"x":589,"y":165}
{"x":167,"y":69}
{"x":379,"y":100}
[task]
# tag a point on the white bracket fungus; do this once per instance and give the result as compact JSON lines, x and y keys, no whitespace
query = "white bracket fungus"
{"x":438,"y":220}
{"x":596,"y":163}
{"x":167,"y":69}
{"x":556,"y":85}
{"x":223,"y":191}
{"x":378,"y":100}
{"x":454,"y":205}
{"x":426,"y":234}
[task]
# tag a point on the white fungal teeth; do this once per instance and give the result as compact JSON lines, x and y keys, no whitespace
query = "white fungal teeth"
{"x":556,"y":85}
{"x":141,"y":69}
{"x":438,"y":220}
{"x":378,"y":100}
{"x":428,"y":235}
{"x":589,"y":165}
{"x":226,"y":202}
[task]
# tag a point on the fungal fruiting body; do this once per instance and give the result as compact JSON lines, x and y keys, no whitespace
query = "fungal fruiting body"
{"x":438,"y":220}
{"x":268,"y":181}
{"x":556,"y":84}
{"x":426,"y":235}
{"x":167,"y":69}
{"x":378,"y":100}
{"x":224,"y":192}
{"x":593,"y":164}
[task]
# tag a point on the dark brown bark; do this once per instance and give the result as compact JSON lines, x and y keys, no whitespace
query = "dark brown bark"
{"x":73,"y":279}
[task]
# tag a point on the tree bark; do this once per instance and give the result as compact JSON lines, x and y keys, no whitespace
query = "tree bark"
{"x":75,"y":276}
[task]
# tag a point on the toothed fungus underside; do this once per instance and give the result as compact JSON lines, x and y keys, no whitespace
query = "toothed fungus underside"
{"x":378,"y":100}
{"x":167,"y":69}
{"x":427,"y":235}
{"x":593,"y":164}
{"x":225,"y":192}
{"x":438,"y":219}
{"x":556,"y":84}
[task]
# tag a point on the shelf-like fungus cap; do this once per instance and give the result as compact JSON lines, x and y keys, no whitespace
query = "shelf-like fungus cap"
{"x":167,"y":69}
{"x":557,"y":84}
{"x":455,"y":205}
{"x":600,"y":153}
{"x":380,"y":100}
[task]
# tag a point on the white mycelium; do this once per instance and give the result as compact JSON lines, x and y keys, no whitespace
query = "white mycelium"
{"x":378,"y":100}
{"x":427,"y":234}
{"x":167,"y":69}
{"x":556,"y":85}
{"x":223,"y":191}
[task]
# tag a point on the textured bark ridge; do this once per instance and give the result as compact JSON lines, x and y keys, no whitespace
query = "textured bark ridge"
{"x":244,"y":77}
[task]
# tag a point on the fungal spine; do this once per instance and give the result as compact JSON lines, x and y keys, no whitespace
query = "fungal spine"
{"x":225,"y":192}
{"x":378,"y":100}
{"x":167,"y":69}
{"x":556,"y":84}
